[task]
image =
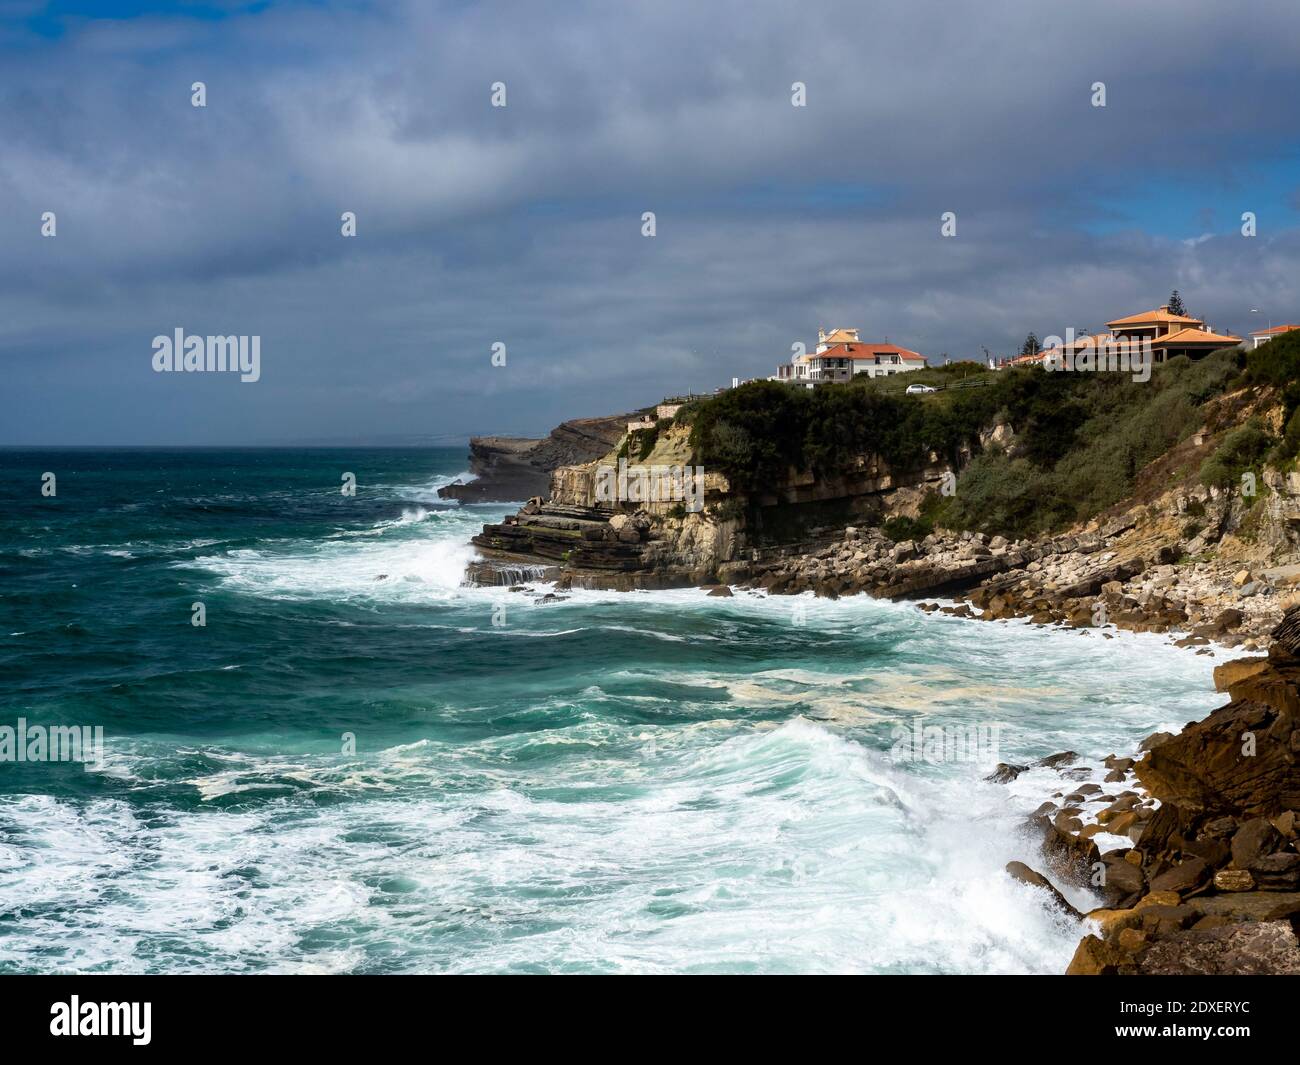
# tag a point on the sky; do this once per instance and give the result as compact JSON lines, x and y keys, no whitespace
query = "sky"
{"x":522,"y":225}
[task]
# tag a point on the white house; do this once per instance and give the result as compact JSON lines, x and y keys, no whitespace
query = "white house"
{"x":840,"y":356}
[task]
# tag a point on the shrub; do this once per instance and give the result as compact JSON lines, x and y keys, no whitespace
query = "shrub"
{"x":905,"y":528}
{"x":1242,"y":449}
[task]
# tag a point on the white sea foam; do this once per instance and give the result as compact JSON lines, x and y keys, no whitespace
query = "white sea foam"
{"x":723,"y":848}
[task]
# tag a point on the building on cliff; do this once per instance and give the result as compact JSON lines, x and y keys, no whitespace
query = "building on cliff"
{"x":1165,"y":333}
{"x":841,"y":355}
{"x":1263,"y":336}
{"x":1171,"y":334}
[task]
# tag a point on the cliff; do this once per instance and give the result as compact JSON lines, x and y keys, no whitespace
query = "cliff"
{"x":514,"y":468}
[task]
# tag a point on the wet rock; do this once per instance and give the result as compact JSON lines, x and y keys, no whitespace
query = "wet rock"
{"x":1020,"y":871}
{"x":1068,"y":857}
{"x":1005,"y":772}
{"x":1155,"y":740}
{"x":1122,"y":878}
{"x":1095,"y":957}
{"x":1220,"y":828}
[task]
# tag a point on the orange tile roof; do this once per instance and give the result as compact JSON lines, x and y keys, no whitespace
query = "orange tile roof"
{"x":1275,"y":329}
{"x":1160,"y":314}
{"x":1194,"y":336}
{"x":859,"y":350}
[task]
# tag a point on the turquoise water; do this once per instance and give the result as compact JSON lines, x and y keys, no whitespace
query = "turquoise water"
{"x":649,"y":782}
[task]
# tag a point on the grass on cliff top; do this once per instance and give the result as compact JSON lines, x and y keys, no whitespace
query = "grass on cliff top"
{"x":1080,"y":440}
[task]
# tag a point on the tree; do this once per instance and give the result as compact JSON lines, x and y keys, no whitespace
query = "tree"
{"x":1030,"y":346}
{"x":1176,"y":304}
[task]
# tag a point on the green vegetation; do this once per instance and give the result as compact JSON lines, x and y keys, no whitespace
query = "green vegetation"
{"x":1277,"y":365}
{"x":756,"y":433}
{"x":640,"y":442}
{"x":902,"y":528}
{"x":1081,"y":443}
{"x":1242,"y":450}
{"x":1080,"y":438}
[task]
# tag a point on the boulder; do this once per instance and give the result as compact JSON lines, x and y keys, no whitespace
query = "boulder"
{"x":1095,"y":957}
{"x":1020,"y":871}
{"x":1068,"y":856}
{"x":1277,"y":872}
{"x":1254,"y":840}
{"x":1184,"y":878}
{"x":1236,"y":670}
{"x":1005,"y":772}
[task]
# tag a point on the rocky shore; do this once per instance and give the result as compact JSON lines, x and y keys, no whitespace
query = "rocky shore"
{"x":1201,"y":868}
{"x":1094,"y":578}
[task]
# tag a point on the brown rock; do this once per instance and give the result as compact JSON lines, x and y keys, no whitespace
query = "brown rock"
{"x":1253,"y":840}
{"x":1209,"y":767}
{"x":1253,"y":949}
{"x":1234,"y":880}
{"x":1183,"y":878}
{"x":1005,"y":772}
{"x":1020,"y":871}
{"x":1236,"y":670}
{"x":1094,"y":957}
{"x":1277,"y":872}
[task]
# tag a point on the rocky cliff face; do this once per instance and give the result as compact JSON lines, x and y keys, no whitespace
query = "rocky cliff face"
{"x":660,"y":543}
{"x":514,"y":468}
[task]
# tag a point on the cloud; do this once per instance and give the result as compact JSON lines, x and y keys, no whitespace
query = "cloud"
{"x":522,"y":224}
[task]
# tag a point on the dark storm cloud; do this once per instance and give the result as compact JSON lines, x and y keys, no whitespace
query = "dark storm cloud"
{"x":522,"y":225}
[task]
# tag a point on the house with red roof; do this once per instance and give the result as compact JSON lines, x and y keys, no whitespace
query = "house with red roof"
{"x":1263,"y":336}
{"x":841,"y":355}
{"x":1170,"y":334}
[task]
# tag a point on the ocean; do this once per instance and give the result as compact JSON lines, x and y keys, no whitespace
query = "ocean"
{"x":356,"y":764}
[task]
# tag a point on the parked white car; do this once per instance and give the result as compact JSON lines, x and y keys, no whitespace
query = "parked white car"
{"x":916,"y":390}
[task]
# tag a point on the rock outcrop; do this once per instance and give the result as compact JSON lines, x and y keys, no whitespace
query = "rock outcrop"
{"x":1211,"y":883}
{"x":512,"y":468}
